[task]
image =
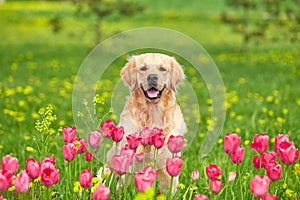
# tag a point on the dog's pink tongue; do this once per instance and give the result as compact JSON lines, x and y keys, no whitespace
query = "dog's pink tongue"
{"x":152,"y":93}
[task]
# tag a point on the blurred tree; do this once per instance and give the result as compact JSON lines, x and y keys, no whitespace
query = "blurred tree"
{"x":104,"y":8}
{"x":258,"y":20}
{"x":240,"y":22}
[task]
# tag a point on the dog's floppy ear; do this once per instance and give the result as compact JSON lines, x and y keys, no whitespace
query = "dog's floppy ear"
{"x":128,"y":73}
{"x":177,"y":74}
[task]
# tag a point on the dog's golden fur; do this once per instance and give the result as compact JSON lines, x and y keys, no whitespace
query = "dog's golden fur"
{"x":162,"y":112}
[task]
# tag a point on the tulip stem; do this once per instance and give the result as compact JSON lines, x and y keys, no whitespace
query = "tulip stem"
{"x":240,"y":180}
{"x":184,"y":196}
{"x":125,"y":186}
{"x":286,"y":174}
{"x":215,"y":196}
{"x":144,"y":156}
{"x":155,"y":157}
{"x":49,"y":196}
{"x":227,"y":177}
{"x":170,"y":190}
{"x":68,"y":178}
{"x":260,"y":164}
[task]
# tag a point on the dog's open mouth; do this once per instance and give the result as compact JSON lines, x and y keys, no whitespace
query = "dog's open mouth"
{"x":153,"y":93}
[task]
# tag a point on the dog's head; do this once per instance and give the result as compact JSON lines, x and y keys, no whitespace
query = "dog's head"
{"x":152,"y":73}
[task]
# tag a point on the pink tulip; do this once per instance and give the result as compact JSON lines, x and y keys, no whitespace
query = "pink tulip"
{"x":49,"y":174}
{"x":1,"y":197}
{"x":278,"y":140}
{"x":175,"y":143}
{"x":81,"y":145}
{"x":49,"y":159}
{"x":174,"y":165}
{"x":270,"y":197}
{"x":256,"y":162}
{"x":88,"y":156}
{"x":117,"y":134}
{"x":69,"y":133}
{"x":121,"y":163}
{"x":5,"y":180}
{"x":274,"y":171}
{"x":22,"y":182}
{"x":195,"y":175}
{"x":85,"y":178}
{"x":10,"y":164}
{"x":213,"y":171}
{"x":288,"y":152}
{"x":158,"y":139}
{"x":231,"y":142}
{"x":94,"y":139}
{"x":33,"y":168}
{"x":108,"y":127}
{"x":268,"y":158}
{"x":133,"y":140}
{"x":260,"y":143}
{"x":146,"y":137}
{"x":200,"y":197}
{"x":69,"y":151}
{"x":139,"y":157}
{"x":101,"y":193}
{"x":126,"y":151}
{"x":232,"y":176}
{"x":215,"y":185}
{"x":259,"y":185}
{"x":238,"y":156}
{"x":145,"y":179}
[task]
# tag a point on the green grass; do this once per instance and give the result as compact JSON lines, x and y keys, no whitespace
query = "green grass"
{"x":38,"y":68}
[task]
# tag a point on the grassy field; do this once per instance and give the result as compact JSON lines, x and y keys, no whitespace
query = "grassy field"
{"x":38,"y":68}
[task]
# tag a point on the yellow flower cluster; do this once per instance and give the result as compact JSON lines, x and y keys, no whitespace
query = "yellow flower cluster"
{"x":47,"y":117}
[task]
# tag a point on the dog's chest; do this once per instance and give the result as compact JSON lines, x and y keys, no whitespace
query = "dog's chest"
{"x":157,"y":115}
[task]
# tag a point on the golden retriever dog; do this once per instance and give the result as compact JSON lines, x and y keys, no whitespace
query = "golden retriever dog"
{"x":152,"y":79}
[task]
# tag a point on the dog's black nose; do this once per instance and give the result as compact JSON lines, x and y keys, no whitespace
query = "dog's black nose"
{"x":152,"y":78}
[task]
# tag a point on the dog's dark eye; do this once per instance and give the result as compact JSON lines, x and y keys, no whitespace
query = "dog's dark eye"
{"x":161,"y":68}
{"x":144,"y":68}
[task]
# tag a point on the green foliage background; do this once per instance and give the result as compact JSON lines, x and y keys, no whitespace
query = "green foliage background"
{"x":38,"y":67}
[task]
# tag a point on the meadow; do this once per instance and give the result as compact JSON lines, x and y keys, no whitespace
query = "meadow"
{"x":38,"y":69}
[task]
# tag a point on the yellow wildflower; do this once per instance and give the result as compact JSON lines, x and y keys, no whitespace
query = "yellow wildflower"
{"x":298,"y":101}
{"x":77,"y":187}
{"x":201,"y":135}
{"x":271,"y":113}
{"x":290,"y":193}
{"x":96,"y":180}
{"x":284,"y":186}
{"x":297,"y":169}
{"x":232,"y":114}
{"x":261,"y":121}
{"x":181,"y":186}
{"x":237,"y":130}
{"x":195,"y":188}
{"x":30,"y":149}
{"x":220,"y":141}
{"x":264,"y":110}
{"x":272,"y":140}
{"x":246,"y":142}
{"x":94,"y":187}
{"x":26,"y":137}
{"x":239,"y":117}
{"x":12,"y":188}
{"x":285,"y":111}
